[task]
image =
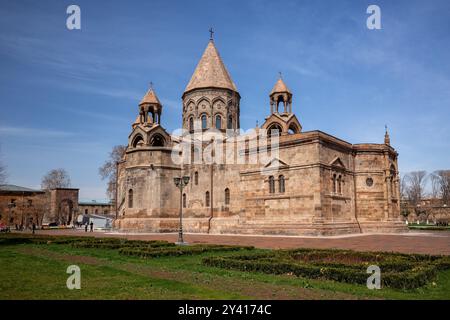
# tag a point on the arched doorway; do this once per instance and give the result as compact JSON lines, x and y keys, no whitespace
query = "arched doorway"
{"x":66,"y":212}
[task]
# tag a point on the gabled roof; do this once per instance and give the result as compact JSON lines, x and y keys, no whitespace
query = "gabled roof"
{"x":210,"y":72}
{"x":279,"y":87}
{"x":137,"y":121}
{"x":337,"y":162}
{"x":276,"y":162}
{"x":150,"y":97}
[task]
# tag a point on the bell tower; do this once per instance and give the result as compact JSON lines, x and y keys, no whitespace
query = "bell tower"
{"x":280,"y":95}
{"x":211,"y":99}
{"x":281,"y":119}
{"x":150,"y":108}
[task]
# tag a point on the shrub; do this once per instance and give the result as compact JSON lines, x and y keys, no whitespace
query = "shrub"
{"x":81,"y":242}
{"x":177,"y":251}
{"x":398,"y":270}
{"x":122,"y":244}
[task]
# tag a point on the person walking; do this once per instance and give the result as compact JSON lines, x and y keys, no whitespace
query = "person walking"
{"x":34,"y":227}
{"x":92,"y":226}
{"x":85,"y":227}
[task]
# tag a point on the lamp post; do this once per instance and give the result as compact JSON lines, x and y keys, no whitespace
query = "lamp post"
{"x":180,"y":183}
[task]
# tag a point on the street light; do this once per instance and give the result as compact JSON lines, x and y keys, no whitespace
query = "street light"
{"x":180,"y":183}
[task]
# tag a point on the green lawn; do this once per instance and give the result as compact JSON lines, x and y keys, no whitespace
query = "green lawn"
{"x":38,"y":271}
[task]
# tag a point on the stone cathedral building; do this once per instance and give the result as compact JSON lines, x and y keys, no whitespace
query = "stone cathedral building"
{"x":317,"y":184}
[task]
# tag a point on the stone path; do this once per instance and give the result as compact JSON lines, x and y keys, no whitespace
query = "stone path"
{"x":437,"y":242}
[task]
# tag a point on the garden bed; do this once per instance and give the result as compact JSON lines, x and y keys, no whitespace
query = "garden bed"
{"x":397,"y":270}
{"x":177,"y":251}
{"x":143,"y":249}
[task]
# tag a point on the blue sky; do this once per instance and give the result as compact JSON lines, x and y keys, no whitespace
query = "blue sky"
{"x":67,"y":96}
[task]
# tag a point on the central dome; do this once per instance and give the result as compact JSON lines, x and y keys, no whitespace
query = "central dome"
{"x":210,"y":72}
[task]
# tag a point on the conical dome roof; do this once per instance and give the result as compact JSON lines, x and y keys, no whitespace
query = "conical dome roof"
{"x":210,"y":72}
{"x":150,"y":97}
{"x":280,"y":87}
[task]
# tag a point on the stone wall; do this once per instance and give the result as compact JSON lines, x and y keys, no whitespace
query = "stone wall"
{"x":63,"y":206}
{"x":91,"y":208}
{"x":431,"y":213}
{"x":29,"y":208}
{"x":310,"y":204}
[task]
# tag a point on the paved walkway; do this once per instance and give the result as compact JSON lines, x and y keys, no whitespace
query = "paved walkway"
{"x":437,"y":242}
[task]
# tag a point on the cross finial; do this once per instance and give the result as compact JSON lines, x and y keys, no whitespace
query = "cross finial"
{"x":211,"y":32}
{"x":387,"y":139}
{"x":279,"y":74}
{"x":151,"y":85}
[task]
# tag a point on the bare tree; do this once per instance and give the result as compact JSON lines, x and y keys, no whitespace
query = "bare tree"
{"x":442,"y":178}
{"x":56,"y":178}
{"x":403,"y":187}
{"x":416,"y":186}
{"x":109,"y":169}
{"x":435,"y":185}
{"x":2,"y":173}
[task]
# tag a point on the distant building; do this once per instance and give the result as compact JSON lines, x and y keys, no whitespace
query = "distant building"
{"x":427,"y":210}
{"x":99,"y":221}
{"x":21,"y":206}
{"x":95,"y":207}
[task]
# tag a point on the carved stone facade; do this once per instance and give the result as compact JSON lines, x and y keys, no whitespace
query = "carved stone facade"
{"x":316,"y":184}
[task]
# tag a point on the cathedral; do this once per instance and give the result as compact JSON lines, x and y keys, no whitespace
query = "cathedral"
{"x":277,"y":179}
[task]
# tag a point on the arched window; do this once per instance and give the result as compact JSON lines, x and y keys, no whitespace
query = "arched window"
{"x":218,"y":122}
{"x":204,"y":125}
{"x":195,"y":155}
{"x":271,"y":184}
{"x":196,"y":177}
{"x":157,"y":140}
{"x":292,"y":129}
{"x":137,"y":141}
{"x":130,"y":198}
{"x":334,"y":183}
{"x":230,"y":122}
{"x":184,"y":200}
{"x":281,"y":186}
{"x":274,"y":130}
{"x":227,"y":196}
{"x":191,"y":124}
{"x":207,"y":199}
{"x":340,"y":184}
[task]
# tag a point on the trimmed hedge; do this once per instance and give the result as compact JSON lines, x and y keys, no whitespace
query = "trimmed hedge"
{"x":22,"y":239}
{"x":122,"y":244}
{"x":81,"y":242}
{"x":146,"y":249}
{"x":178,"y":251}
{"x":397,"y":270}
